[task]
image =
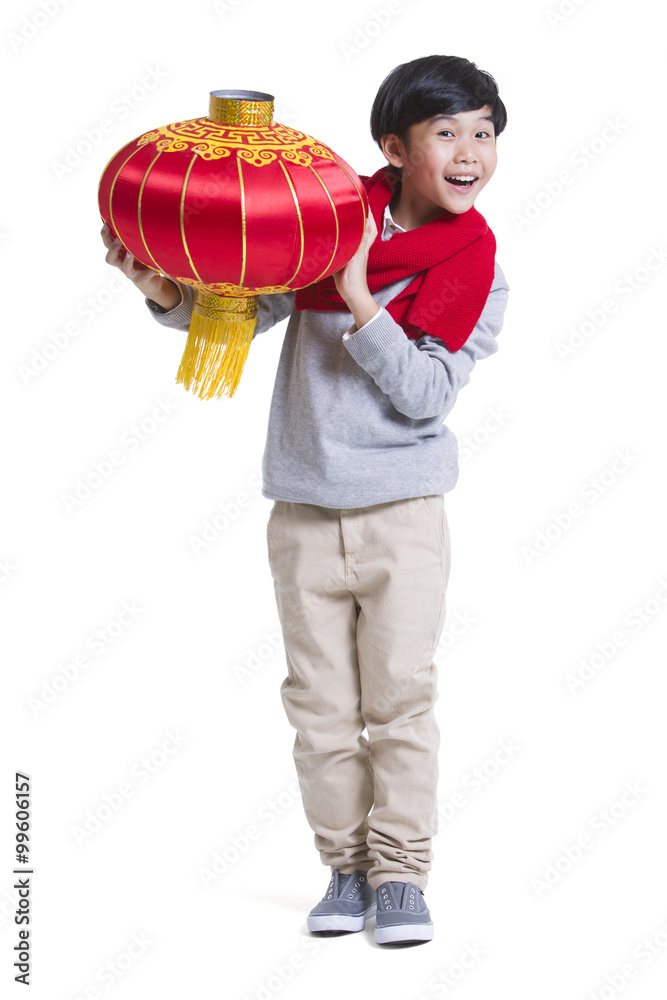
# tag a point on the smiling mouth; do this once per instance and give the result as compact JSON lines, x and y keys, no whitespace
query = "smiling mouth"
{"x":461,"y":180}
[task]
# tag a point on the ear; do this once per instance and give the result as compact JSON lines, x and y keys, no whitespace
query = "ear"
{"x":393,"y":149}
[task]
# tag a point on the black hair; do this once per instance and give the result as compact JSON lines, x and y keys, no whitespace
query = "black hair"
{"x":432,"y":85}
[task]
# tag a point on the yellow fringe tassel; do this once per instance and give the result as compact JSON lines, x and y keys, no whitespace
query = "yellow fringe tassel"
{"x":215,"y":353}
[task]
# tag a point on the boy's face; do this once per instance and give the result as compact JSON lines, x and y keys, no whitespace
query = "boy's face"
{"x":441,"y":153}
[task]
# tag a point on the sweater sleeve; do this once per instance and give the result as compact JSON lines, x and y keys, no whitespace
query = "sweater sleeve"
{"x":272,"y":309}
{"x":422,"y":378}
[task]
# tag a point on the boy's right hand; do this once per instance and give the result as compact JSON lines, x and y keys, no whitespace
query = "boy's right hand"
{"x":152,"y":284}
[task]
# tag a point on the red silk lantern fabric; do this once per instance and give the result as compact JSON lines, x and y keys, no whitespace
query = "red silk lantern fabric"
{"x":234,"y":210}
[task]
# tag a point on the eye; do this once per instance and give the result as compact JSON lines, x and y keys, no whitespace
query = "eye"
{"x":487,"y":134}
{"x":445,"y":131}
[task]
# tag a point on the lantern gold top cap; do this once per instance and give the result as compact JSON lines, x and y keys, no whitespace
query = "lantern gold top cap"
{"x":241,"y":107}
{"x":242,"y":95}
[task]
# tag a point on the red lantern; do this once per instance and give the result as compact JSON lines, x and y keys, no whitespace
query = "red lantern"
{"x":236,"y":206}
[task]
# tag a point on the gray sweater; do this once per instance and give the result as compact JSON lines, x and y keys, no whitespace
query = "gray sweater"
{"x":358,"y":420}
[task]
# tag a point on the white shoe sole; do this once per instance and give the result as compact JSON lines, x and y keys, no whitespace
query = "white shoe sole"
{"x":395,"y":933}
{"x":340,"y":921}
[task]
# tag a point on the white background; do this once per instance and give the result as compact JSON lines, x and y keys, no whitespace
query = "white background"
{"x":502,"y":888}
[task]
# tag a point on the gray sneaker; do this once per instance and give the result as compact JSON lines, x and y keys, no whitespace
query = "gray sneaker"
{"x":402,"y":914}
{"x":345,"y":905}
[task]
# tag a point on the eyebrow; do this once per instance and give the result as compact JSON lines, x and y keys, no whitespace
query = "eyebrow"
{"x":450,"y":118}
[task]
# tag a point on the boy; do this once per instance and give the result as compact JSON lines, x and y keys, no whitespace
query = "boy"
{"x":357,"y":462}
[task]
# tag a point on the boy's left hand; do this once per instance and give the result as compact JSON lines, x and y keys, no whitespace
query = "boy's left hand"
{"x":351,"y":280}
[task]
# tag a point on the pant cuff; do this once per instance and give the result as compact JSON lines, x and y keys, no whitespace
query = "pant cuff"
{"x":376,"y":880}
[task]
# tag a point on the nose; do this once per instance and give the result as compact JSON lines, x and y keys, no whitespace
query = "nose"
{"x":465,"y":152}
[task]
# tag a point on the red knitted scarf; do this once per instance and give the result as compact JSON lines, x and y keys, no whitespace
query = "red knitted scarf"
{"x":455,"y":254}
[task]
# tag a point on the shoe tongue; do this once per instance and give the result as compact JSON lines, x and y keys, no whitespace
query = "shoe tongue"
{"x":399,"y":889}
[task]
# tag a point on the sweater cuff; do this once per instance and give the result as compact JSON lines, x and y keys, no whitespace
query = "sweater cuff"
{"x":180,"y":314}
{"x":376,"y":337}
{"x":353,"y":330}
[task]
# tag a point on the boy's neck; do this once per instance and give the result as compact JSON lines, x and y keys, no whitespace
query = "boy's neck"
{"x":408,"y":209}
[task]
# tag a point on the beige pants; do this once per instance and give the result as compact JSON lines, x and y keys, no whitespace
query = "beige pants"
{"x":361,"y":600}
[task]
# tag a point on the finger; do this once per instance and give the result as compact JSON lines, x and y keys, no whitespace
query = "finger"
{"x":106,"y":235}
{"x":369,"y":231}
{"x":128,"y":265}
{"x":113,"y":256}
{"x":115,"y":244}
{"x":136,"y":266}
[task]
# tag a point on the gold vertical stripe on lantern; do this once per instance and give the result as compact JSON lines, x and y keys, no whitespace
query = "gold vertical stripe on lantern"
{"x":298,"y":215}
{"x":139,"y":219}
{"x":180,"y":217}
{"x":243,"y":232}
{"x":335,"y":214}
{"x":222,"y":327}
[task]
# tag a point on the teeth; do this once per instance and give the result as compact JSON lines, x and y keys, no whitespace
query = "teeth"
{"x":461,"y":177}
